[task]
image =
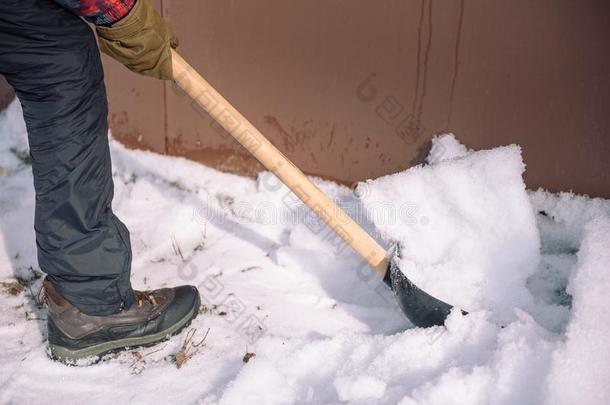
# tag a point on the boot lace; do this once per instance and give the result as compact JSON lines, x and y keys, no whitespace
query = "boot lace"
{"x":145,"y":296}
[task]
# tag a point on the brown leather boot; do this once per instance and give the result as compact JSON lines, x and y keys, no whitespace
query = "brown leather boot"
{"x":154,"y":317}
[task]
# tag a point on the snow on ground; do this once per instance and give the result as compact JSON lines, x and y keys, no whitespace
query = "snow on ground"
{"x":276,"y":283}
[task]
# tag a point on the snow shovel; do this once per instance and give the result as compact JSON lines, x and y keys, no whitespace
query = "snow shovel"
{"x":421,"y":309}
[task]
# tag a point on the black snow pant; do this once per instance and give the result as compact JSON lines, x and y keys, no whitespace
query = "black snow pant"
{"x":51,"y":58}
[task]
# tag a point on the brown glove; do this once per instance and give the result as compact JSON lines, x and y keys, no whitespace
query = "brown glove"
{"x":141,"y":41}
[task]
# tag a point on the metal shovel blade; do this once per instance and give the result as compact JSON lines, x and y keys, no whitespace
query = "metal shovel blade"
{"x":422,"y":309}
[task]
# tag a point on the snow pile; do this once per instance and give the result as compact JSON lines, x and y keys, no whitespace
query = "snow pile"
{"x":473,"y":240}
{"x":446,"y":147}
{"x":580,"y":373}
{"x":563,"y":217}
{"x":292,"y":318}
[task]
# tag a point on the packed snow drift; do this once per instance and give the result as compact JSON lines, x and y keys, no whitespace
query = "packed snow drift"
{"x":476,"y":243}
{"x":290,"y":315}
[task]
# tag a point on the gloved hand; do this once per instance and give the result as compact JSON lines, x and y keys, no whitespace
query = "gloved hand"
{"x":141,"y":40}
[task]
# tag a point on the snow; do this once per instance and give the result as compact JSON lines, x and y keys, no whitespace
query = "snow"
{"x":579,"y":370}
{"x":563,"y":218}
{"x":475,"y":223}
{"x":445,"y":147}
{"x":323,"y":329}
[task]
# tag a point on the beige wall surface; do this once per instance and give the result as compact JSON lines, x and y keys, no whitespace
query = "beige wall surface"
{"x":354,"y":89}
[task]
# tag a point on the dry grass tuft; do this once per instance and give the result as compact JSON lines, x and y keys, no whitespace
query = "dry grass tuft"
{"x":14,"y":287}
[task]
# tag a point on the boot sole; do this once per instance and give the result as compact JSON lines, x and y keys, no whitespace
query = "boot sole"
{"x":96,"y":352}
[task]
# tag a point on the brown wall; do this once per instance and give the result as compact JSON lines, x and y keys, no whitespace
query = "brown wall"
{"x":6,"y":93}
{"x":353,"y":89}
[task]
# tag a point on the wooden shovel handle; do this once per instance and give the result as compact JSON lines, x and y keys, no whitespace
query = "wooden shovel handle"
{"x":246,"y":134}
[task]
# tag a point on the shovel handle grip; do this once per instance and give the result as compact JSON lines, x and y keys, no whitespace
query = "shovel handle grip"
{"x":255,"y":142}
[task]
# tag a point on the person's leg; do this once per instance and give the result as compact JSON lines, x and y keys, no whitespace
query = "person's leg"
{"x":51,"y":59}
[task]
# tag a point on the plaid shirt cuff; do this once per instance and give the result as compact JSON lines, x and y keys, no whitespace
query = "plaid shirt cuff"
{"x":99,"y":12}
